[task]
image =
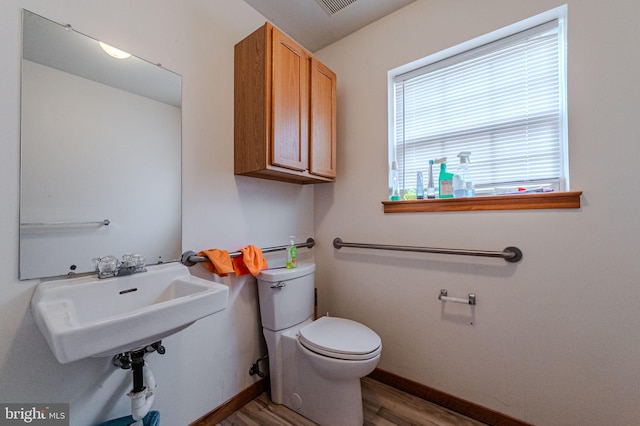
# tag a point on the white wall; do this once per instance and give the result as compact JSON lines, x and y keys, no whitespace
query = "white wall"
{"x":554,"y":339}
{"x":208,"y":363}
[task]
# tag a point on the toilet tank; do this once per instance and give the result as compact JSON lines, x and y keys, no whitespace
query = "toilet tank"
{"x":286,"y":296}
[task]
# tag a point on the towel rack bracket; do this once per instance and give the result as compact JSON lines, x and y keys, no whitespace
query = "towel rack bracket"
{"x":185,"y":258}
{"x":337,"y":243}
{"x":517,"y":254}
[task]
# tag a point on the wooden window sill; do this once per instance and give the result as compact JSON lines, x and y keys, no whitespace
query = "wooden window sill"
{"x":548,"y":200}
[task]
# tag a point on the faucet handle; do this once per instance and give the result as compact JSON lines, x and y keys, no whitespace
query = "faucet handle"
{"x":127,"y":260}
{"x":139,"y":261}
{"x":107,"y":266}
{"x":133,"y":260}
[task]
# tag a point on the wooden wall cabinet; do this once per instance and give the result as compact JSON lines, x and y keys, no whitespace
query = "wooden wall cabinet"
{"x":284,"y":111}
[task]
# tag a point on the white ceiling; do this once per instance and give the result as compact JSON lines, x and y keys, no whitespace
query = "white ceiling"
{"x":307,"y":22}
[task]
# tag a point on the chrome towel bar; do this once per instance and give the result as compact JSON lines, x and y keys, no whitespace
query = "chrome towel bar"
{"x":510,"y":254}
{"x":189,"y":258}
{"x":104,"y":222}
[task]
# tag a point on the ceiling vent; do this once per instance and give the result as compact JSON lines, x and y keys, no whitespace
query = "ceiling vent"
{"x":334,"y":6}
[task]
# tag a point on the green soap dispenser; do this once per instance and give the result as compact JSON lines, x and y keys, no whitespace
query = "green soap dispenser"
{"x":292,"y":254}
{"x":445,"y":180}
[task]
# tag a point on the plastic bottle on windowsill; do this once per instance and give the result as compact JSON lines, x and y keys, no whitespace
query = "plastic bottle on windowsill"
{"x":395,"y":188}
{"x":431,"y":190}
{"x":463,"y":185}
{"x":419,"y":187}
{"x":445,"y":180}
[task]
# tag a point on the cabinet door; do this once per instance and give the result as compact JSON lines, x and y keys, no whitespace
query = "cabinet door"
{"x":323,"y":121}
{"x":289,"y":104}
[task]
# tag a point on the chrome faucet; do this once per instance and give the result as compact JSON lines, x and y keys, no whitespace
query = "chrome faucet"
{"x":110,"y":266}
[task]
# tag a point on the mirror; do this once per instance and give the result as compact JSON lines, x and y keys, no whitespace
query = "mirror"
{"x":100,"y":154}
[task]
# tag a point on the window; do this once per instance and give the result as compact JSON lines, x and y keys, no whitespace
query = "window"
{"x":502,"y":97}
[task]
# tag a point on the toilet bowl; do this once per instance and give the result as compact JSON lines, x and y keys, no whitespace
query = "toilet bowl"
{"x":328,"y":342}
{"x":315,"y":367}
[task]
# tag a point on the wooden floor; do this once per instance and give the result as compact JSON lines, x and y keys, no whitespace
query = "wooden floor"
{"x":383,"y":405}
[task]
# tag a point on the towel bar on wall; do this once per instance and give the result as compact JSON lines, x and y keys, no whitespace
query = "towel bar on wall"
{"x":510,"y":254}
{"x":104,"y":222}
{"x":189,"y":258}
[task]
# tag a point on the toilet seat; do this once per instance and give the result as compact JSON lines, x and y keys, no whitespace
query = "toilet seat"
{"x":340,"y":338}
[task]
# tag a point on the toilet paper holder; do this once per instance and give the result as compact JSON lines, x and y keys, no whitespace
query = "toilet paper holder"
{"x":444,"y":296}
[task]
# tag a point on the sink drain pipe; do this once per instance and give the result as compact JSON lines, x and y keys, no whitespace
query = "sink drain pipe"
{"x":144,"y":382}
{"x":144,"y":386}
{"x":141,"y":395}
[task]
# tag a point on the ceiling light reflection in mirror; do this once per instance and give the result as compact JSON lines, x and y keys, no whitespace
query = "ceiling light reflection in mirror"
{"x":113,"y":52}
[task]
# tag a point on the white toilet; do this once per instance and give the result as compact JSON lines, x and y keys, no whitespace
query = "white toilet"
{"x":315,"y":366}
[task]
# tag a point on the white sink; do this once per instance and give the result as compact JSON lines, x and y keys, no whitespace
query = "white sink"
{"x":84,"y":317}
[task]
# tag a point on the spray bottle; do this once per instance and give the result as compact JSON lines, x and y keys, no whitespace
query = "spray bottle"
{"x":463,"y":185}
{"x":291,"y":253}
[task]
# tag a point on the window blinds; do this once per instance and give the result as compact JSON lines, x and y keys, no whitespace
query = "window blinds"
{"x":503,"y":101}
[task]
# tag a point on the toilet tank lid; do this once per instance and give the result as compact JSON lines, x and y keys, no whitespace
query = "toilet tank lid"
{"x":284,"y":274}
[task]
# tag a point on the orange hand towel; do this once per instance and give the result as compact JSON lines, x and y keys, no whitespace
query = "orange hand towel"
{"x":220,"y":261}
{"x":251,"y":261}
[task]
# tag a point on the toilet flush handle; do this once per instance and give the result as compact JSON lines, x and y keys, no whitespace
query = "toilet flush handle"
{"x":279,"y":285}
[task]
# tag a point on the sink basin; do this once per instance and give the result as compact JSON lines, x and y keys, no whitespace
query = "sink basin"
{"x":84,"y":317}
